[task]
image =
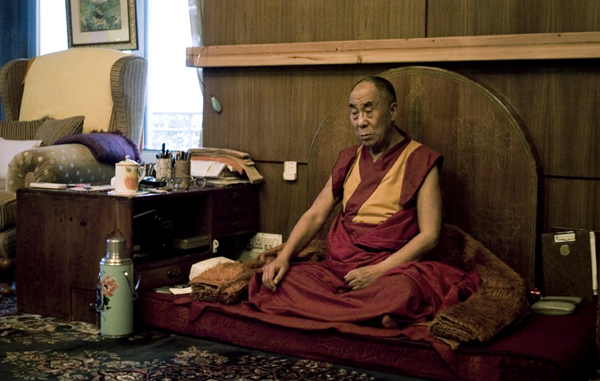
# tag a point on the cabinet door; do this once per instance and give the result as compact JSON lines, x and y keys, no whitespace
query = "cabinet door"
{"x":61,"y":240}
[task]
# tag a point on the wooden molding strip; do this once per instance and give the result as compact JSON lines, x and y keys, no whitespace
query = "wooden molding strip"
{"x":465,"y":48}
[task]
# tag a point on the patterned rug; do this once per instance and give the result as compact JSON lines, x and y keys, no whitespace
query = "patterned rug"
{"x":33,"y":347}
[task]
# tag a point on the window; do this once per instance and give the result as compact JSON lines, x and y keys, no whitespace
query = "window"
{"x":175,"y":106}
{"x":174,"y":102}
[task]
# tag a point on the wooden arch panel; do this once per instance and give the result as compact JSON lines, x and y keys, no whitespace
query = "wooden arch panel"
{"x":490,"y":177}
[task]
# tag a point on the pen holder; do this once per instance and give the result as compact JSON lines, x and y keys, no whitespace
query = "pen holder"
{"x":163,"y":168}
{"x":182,"y":168}
{"x":182,"y":172}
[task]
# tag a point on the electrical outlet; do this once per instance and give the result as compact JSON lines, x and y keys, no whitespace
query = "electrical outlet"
{"x":271,"y":240}
{"x":258,"y":241}
{"x":265,"y":241}
{"x":290,"y":171}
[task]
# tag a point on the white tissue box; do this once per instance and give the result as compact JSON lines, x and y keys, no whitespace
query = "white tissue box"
{"x":199,"y":267}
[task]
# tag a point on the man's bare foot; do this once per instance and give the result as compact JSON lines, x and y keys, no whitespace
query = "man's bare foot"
{"x":388,"y":322}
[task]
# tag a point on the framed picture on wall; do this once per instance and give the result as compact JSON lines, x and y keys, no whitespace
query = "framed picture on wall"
{"x":102,"y":23}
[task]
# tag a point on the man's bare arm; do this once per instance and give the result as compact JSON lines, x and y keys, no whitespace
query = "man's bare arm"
{"x":304,"y":231}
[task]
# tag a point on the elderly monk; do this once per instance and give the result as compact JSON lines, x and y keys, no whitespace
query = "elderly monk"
{"x":391,"y":217}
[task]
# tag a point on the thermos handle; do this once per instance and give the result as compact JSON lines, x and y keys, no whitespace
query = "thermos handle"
{"x":131,"y":286}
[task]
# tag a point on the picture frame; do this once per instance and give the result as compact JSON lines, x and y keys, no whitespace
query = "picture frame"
{"x":102,"y":23}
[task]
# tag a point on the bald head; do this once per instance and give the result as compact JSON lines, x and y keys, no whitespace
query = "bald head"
{"x":384,"y":88}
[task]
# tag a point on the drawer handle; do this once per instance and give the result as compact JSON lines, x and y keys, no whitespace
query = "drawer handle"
{"x":237,"y":209}
{"x":172,"y":274}
{"x":236,"y":224}
{"x":235,"y":196}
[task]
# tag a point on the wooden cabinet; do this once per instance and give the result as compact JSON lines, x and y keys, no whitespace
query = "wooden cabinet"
{"x":62,"y":238}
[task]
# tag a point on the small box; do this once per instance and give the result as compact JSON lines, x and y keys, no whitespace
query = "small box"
{"x":191,"y":243}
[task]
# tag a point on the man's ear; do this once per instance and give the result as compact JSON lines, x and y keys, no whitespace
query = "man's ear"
{"x":393,"y":110}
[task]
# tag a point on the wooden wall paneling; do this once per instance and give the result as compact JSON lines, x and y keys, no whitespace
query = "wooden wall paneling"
{"x":557,"y":101}
{"x":274,"y":113}
{"x":572,"y":203}
{"x":281,"y":203}
{"x":492,"y":17}
{"x":229,"y":22}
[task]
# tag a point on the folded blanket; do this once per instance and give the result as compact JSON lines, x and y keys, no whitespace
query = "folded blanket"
{"x":107,"y":147}
{"x":225,"y":283}
{"x":499,"y":302}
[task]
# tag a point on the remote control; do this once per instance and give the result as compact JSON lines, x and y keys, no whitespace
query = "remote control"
{"x":48,"y":185}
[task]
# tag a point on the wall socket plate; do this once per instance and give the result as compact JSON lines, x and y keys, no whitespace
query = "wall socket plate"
{"x":290,"y":170}
{"x":265,"y":241}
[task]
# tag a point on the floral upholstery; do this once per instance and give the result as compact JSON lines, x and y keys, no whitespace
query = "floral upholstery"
{"x":68,"y":164}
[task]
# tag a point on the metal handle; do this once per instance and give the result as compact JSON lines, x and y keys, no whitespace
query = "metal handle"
{"x":131,"y":286}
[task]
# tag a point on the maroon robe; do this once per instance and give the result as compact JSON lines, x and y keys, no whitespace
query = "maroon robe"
{"x":379,"y":217}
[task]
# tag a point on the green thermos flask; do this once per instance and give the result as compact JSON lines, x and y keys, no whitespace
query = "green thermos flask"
{"x":116,"y":290}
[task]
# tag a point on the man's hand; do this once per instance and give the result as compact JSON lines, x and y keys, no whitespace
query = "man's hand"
{"x":273,"y":273}
{"x":363,"y":276}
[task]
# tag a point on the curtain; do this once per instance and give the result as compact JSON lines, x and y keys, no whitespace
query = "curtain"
{"x":196,"y":18}
{"x":17,"y":31}
{"x":196,"y":23}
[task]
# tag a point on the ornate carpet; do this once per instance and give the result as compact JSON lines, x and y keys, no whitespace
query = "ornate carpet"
{"x":33,"y":347}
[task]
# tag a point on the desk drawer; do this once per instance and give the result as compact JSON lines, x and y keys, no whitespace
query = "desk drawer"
{"x":235,"y":202}
{"x":233,"y":225}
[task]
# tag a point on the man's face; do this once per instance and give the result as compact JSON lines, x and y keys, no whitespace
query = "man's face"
{"x":372,"y":117}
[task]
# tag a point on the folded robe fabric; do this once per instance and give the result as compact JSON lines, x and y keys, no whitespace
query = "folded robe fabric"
{"x":107,"y":147}
{"x":500,"y":301}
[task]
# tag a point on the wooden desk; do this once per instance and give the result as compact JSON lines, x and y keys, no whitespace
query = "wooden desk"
{"x":62,"y":238}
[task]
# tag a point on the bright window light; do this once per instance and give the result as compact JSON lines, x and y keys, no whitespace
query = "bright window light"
{"x":175,"y":104}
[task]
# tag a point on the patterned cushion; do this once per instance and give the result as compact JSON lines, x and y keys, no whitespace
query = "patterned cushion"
{"x":14,"y":130}
{"x":53,"y":129}
{"x":8,"y":210}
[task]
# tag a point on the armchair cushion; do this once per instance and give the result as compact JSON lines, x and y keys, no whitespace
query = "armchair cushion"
{"x":53,"y":129}
{"x":10,"y":148}
{"x":15,"y":130}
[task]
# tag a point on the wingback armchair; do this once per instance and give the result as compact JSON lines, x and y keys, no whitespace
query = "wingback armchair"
{"x":79,"y":90}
